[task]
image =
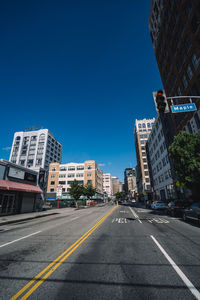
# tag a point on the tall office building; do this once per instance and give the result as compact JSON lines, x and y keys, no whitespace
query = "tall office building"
{"x":175,"y":29}
{"x":87,"y":172}
{"x":35,"y":149}
{"x":115,"y":184}
{"x":107,"y":184}
{"x":129,"y":180}
{"x":141,"y":132}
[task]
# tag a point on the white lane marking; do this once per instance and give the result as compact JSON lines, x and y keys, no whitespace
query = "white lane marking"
{"x":24,"y":237}
{"x":187,"y":282}
{"x":158,"y":220}
{"x":135,"y":215}
{"x":122,"y":211}
{"x":74,"y":218}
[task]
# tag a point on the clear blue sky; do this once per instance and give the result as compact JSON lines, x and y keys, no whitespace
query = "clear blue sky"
{"x":83,"y":69}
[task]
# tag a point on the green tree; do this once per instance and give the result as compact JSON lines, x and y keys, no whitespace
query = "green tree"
{"x":185,"y":152}
{"x":119,"y":195}
{"x":76,"y":190}
{"x":89,"y":191}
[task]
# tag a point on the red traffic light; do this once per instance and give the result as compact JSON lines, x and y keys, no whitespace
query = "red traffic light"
{"x":160,"y":93}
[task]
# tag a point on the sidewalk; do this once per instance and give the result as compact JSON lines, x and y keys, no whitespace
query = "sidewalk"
{"x":27,"y":216}
{"x":33,"y":215}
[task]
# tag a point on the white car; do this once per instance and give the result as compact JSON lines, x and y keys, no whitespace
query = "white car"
{"x":158,"y":205}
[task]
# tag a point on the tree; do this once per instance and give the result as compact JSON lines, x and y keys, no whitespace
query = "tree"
{"x":185,"y":152}
{"x":89,"y":191}
{"x":119,"y":195}
{"x":76,"y":190}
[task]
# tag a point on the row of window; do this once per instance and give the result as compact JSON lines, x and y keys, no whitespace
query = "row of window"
{"x":71,"y":168}
{"x":63,"y":182}
{"x":162,"y":177}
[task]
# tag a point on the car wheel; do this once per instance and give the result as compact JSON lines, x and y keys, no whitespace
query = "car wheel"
{"x":184,"y":217}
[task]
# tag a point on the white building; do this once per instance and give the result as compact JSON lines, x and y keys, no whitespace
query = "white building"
{"x":142,"y":131}
{"x":35,"y":149}
{"x":160,"y":166}
{"x":107,"y":184}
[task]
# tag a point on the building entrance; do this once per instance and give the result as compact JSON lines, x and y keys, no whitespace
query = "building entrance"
{"x":7,"y":204}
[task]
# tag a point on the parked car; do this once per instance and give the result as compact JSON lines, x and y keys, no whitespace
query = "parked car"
{"x":158,"y":205}
{"x":176,"y":208}
{"x":192,"y":213}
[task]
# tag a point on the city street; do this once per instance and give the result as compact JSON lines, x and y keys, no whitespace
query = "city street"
{"x":108,"y":252}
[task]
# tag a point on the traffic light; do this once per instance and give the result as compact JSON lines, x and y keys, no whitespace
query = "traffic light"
{"x":161,"y":101}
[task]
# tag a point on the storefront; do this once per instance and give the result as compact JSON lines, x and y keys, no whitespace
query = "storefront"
{"x":19,"y":192}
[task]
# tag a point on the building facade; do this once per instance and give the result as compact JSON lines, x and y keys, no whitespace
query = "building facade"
{"x":141,"y":132}
{"x":35,"y":149}
{"x":162,"y":181}
{"x":20,"y":189}
{"x":63,"y":175}
{"x":174,"y":27}
{"x":115,"y":184}
{"x":129,"y":180}
{"x":107,"y":184}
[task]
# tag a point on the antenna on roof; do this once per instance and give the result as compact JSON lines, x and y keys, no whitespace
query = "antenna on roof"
{"x":33,"y":128}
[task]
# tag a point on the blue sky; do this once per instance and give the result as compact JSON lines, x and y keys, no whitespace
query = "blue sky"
{"x":83,"y":69}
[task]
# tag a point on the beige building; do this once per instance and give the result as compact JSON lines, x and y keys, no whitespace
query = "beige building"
{"x":142,"y":131}
{"x":115,"y":184}
{"x":64,"y":174}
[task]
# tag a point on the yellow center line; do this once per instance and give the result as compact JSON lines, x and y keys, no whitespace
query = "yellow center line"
{"x":58,"y":261}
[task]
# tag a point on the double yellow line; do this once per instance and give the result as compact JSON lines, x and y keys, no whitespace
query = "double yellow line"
{"x":38,"y":279}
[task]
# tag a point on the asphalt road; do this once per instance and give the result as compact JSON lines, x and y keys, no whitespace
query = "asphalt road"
{"x":109,"y":252}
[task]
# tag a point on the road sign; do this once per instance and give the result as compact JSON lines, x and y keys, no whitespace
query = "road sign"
{"x":183,"y":107}
{"x":59,"y":191}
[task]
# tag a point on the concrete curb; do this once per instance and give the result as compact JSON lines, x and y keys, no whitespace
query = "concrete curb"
{"x":26,"y":219}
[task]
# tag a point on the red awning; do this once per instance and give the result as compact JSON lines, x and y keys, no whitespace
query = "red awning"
{"x":17,"y":186}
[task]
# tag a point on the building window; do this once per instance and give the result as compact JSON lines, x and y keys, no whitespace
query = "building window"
{"x":62,"y":182}
{"x":70,"y":175}
{"x":89,"y":174}
{"x":189,"y":127}
{"x":71,"y":168}
{"x":139,"y":125}
{"x":187,"y":43}
{"x":144,"y":125}
{"x":53,"y":169}
{"x":89,"y":167}
{"x":197,"y":120}
{"x":195,"y":24}
{"x":30,"y":162}
{"x":51,"y":190}
{"x":63,"y":189}
{"x":189,"y":71}
{"x":62,"y":175}
{"x":179,"y":91}
{"x":52,"y":182}
{"x":22,"y":162}
{"x":146,"y":173}
{"x":145,"y":167}
{"x":79,"y":175}
{"x":53,"y":175}
{"x":195,"y":61}
{"x":185,"y":81}
{"x":34,"y":138}
{"x":89,"y":181}
{"x":80,"y":167}
{"x":63,"y":169}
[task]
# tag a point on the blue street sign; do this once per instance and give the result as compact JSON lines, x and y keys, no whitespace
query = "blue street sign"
{"x":183,"y":107}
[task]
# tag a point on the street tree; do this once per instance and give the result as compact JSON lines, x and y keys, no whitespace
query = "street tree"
{"x":76,"y":190}
{"x":89,"y":191}
{"x":185,"y":152}
{"x":119,"y":195}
